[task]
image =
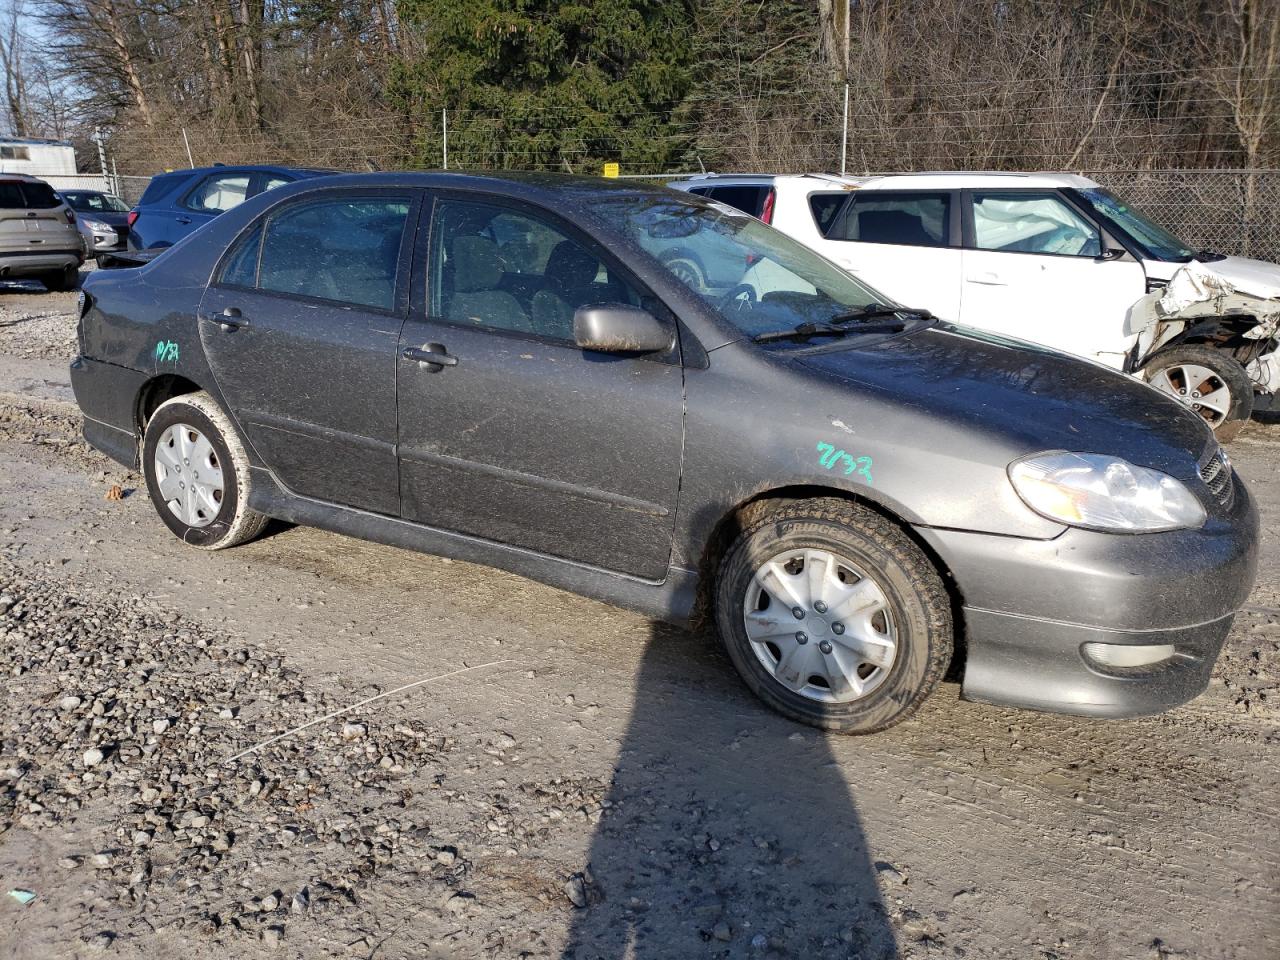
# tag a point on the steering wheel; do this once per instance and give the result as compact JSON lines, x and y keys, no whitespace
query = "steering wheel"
{"x":741,"y":294}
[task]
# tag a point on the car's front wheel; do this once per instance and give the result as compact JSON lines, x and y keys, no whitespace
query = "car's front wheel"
{"x":1212,"y":383}
{"x":832,"y":615}
{"x":198,"y":474}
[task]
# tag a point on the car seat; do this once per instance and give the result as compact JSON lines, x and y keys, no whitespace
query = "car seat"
{"x":570,"y":277}
{"x":477,"y":274}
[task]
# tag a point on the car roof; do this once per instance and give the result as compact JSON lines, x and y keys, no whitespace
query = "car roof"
{"x":537,"y":187}
{"x":924,"y":180}
{"x":247,"y":168}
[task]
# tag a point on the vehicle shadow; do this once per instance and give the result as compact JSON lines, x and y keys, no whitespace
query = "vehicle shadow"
{"x":728,"y":830}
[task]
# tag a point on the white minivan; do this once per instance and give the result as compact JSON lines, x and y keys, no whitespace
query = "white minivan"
{"x":1050,"y":258}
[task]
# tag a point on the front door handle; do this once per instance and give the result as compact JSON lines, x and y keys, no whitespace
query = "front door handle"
{"x":182,"y":220}
{"x":989,"y":278}
{"x":229,"y":319}
{"x":432,"y":355}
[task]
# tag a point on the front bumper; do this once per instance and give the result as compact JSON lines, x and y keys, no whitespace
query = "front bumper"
{"x":1031,"y":607}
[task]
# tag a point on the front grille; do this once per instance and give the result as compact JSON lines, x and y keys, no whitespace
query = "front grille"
{"x":1219,"y":477}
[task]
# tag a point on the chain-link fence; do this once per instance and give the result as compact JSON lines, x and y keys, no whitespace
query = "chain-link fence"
{"x":1231,"y":211}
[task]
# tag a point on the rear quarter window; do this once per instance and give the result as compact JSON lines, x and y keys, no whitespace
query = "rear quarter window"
{"x":747,"y":199}
{"x":40,"y":196}
{"x":11,"y":195}
{"x":158,"y":187}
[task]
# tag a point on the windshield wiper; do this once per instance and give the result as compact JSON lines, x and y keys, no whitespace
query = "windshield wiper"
{"x":1208,"y":256}
{"x":806,"y":330}
{"x":876,"y":311}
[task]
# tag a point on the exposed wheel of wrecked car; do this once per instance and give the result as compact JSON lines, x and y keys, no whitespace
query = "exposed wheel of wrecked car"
{"x":198,"y":475}
{"x":1210,"y":382}
{"x":60,"y":280}
{"x":833,"y":616}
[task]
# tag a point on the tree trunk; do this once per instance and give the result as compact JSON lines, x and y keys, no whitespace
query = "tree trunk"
{"x":110,"y":18}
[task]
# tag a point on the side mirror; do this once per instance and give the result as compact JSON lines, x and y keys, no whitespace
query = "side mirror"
{"x":1111,"y":253}
{"x":620,"y":328}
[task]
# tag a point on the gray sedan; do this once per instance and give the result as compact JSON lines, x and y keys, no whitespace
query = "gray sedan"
{"x":508,"y":370}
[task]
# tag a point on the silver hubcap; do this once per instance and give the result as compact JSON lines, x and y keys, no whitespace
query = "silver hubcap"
{"x":189,"y":475}
{"x":820,"y":626}
{"x":1198,"y":387}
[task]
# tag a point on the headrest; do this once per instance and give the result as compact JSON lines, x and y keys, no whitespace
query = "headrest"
{"x":571,"y":265}
{"x":476,"y":264}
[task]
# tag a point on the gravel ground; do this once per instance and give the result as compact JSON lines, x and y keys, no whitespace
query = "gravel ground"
{"x":593,"y":785}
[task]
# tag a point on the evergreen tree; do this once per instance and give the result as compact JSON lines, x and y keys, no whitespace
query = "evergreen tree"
{"x":545,"y":83}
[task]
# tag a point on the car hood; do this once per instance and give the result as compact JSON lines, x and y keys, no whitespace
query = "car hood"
{"x":1256,"y":278}
{"x":1024,"y":398}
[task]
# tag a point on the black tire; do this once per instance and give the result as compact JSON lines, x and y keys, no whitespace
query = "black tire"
{"x":688,"y":268}
{"x":916,"y":601}
{"x":233,"y":523}
{"x":1225,"y":368}
{"x":59,"y":281}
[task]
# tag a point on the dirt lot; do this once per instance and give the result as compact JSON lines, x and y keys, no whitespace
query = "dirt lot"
{"x":594,"y":785}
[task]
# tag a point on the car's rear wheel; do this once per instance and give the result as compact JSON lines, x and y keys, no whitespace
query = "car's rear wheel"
{"x":833,"y":616}
{"x":57,"y":281}
{"x":198,"y":474}
{"x":1212,"y":383}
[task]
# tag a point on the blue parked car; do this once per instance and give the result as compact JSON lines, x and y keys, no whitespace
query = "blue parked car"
{"x":176,"y":203}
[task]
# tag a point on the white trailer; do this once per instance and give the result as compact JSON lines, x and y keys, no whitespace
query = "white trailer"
{"x":38,"y":158}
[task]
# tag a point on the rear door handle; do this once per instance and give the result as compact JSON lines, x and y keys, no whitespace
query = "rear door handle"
{"x":990,"y":278}
{"x":182,"y":220}
{"x":229,"y":319}
{"x":433,"y":355}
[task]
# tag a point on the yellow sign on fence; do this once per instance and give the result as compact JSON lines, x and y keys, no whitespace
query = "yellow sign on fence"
{"x":610,"y":170}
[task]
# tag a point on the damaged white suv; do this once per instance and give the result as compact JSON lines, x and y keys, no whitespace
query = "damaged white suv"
{"x":1050,"y":258}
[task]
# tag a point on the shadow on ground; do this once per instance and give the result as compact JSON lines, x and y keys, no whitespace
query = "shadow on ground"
{"x":731,"y":832}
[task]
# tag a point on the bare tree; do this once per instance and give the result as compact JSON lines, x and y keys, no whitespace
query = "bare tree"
{"x":13,"y":45}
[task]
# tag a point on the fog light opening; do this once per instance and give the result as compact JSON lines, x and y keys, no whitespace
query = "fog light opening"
{"x":1128,"y":655}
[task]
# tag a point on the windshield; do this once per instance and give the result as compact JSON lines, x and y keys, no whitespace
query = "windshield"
{"x":757,"y":278}
{"x":1157,"y":243}
{"x":96,"y":203}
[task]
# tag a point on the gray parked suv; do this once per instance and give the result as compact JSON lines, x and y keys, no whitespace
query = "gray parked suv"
{"x":38,"y":234}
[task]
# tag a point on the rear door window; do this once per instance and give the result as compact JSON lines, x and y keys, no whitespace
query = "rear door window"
{"x":1032,"y":223}
{"x":345,"y":249}
{"x":909,"y":219}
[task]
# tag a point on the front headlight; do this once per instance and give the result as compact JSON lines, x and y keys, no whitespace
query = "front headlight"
{"x":97,"y":226}
{"x":1104,"y":493}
